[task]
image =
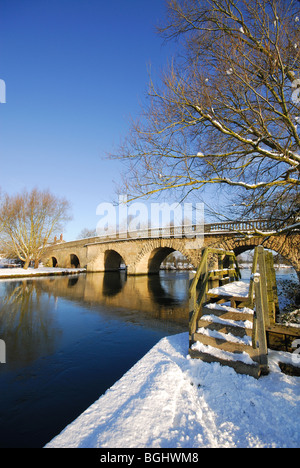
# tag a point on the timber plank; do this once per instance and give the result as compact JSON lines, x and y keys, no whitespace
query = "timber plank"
{"x":225,"y":328}
{"x":224,"y":344}
{"x":228,"y":314}
{"x":239,"y":366}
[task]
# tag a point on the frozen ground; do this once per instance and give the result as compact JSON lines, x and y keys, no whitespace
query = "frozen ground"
{"x":169,"y":400}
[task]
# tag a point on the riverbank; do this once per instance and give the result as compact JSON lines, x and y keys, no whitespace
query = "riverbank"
{"x":7,"y":273}
{"x":168,"y":400}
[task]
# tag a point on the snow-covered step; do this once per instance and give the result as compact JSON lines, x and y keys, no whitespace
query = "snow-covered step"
{"x":237,"y":292}
{"x":225,"y":342}
{"x":239,"y":289}
{"x":240,"y":362}
{"x":238,"y":329}
{"x":228,"y":312}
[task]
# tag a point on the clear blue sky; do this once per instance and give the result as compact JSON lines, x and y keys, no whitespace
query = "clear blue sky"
{"x":75,"y":71}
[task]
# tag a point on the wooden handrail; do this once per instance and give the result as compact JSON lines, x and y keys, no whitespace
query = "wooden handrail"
{"x":203,"y":275}
{"x":259,"y":335}
{"x":263,"y":298}
{"x":261,"y":295}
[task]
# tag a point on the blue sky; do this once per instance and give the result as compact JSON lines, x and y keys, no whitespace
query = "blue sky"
{"x":75,"y":71}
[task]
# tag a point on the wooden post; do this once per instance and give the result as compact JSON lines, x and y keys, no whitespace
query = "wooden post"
{"x":253,"y":272}
{"x":272,"y":287}
{"x":202,"y":277}
{"x":220,"y":267}
{"x":263,"y":283}
{"x":271,"y":304}
{"x":261,"y":330}
{"x":237,"y":275}
{"x":231,"y":267}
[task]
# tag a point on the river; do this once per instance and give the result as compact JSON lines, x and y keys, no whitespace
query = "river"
{"x":69,"y":338}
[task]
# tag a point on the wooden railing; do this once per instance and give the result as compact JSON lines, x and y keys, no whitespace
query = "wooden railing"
{"x":263,"y":298}
{"x":203,"y":276}
{"x":262,"y":294}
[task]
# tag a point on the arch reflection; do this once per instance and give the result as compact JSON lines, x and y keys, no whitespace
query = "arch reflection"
{"x":157,"y":296}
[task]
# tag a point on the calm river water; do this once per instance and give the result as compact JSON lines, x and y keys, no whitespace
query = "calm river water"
{"x":69,"y":338}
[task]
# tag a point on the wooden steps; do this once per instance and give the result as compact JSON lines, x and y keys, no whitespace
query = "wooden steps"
{"x":223,"y":326}
{"x":235,"y":323}
{"x":224,"y":335}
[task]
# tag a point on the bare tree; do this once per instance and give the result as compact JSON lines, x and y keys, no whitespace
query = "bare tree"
{"x":85,"y":233}
{"x":2,"y":219}
{"x":226,"y":110}
{"x":30,"y":219}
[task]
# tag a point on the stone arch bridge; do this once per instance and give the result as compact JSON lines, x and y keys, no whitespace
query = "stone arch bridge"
{"x":143,"y":251}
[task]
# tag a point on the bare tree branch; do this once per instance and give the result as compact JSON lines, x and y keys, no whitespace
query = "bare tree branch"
{"x":224,"y":113}
{"x":29,"y":220}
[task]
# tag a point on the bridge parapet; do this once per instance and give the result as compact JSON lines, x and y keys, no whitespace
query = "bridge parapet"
{"x":187,"y":231}
{"x":248,"y":226}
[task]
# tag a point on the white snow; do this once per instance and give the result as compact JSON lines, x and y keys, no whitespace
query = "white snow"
{"x":225,"y":336}
{"x":237,"y":289}
{"x":170,"y":400}
{"x":220,"y":353}
{"x":16,"y":272}
{"x":232,"y":323}
{"x":227,"y":308}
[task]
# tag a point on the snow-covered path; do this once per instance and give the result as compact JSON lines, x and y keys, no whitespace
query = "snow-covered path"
{"x":169,"y":400}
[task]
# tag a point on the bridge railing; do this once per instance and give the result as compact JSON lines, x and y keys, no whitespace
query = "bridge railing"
{"x":190,"y":230}
{"x":240,"y":226}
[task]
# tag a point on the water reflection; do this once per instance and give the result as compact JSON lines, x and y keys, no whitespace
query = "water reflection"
{"x":26,"y":322}
{"x":27,"y":307}
{"x":158,"y":296}
{"x":68,"y":339}
{"x":113,"y":283}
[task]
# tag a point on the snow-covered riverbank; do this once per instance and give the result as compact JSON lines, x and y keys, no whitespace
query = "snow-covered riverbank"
{"x":169,"y":400}
{"x":19,"y":272}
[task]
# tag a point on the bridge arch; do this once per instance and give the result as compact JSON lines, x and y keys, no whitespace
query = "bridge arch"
{"x":156,"y":258}
{"x":74,"y":261}
{"x":154,"y":253}
{"x":53,"y":262}
{"x":287,"y":246}
{"x":113,"y":260}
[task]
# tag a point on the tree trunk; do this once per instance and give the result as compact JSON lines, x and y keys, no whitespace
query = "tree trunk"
{"x":26,"y":264}
{"x":36,"y":263}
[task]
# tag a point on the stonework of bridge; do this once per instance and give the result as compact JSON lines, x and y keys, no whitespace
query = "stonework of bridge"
{"x":144,"y":253}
